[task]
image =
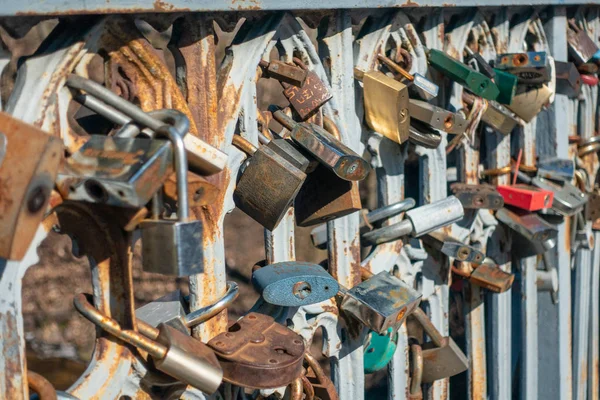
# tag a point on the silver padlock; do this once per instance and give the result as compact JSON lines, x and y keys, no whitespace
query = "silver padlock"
{"x":381,"y":302}
{"x":452,"y":247}
{"x":556,"y":168}
{"x":173,"y":310}
{"x":547,"y":279}
{"x":419,"y":221}
{"x":437,"y":117}
{"x":174,"y":247}
{"x":531,"y":226}
{"x":294,"y":283}
{"x":568,"y":199}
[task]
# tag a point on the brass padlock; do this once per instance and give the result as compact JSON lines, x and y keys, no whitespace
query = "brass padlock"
{"x":174,"y":247}
{"x":173,"y":352}
{"x":257,"y":352}
{"x":529,"y":101}
{"x":307,"y":98}
{"x":442,"y":358}
{"x":495,"y":115}
{"x":386,"y":105}
{"x":29,"y":162}
{"x":268,"y":185}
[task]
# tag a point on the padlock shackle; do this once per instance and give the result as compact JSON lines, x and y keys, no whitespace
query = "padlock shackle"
{"x":388,"y":233}
{"x":390,"y":210}
{"x":285,"y":120}
{"x":416,"y":369}
{"x":181,"y":169}
{"x":82,"y":303}
{"x":430,"y":329}
{"x":391,"y":64}
{"x":244,"y":145}
{"x":203,"y":314}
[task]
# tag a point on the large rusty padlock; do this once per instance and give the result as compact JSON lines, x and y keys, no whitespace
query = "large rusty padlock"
{"x":29,"y":161}
{"x":259,"y":353}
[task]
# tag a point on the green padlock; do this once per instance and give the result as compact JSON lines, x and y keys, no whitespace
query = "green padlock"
{"x":379,"y":350}
{"x":460,"y":73}
{"x":507,"y":84}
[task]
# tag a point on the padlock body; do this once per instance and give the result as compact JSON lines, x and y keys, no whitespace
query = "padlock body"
{"x":433,"y":216}
{"x":325,"y":197}
{"x":568,"y":199}
{"x":530,"y":68}
{"x":568,"y":79}
{"x":27,"y":173}
{"x":531,"y":226}
{"x":592,"y":208}
{"x":168,"y":309}
{"x":556,"y":168}
{"x":477,"y":196}
{"x":267,"y":187}
{"x":443,"y":362}
{"x":294,"y":283}
{"x":582,"y":48}
{"x":380,"y":350}
{"x":423,"y":88}
{"x":386,"y":106}
{"x":287,"y":150}
{"x":286,"y":73}
{"x":115,"y":171}
{"x":200,"y":191}
{"x":307,"y":99}
{"x":499,"y":118}
{"x":492,"y":278}
{"x":529,"y":102}
{"x":381,"y":302}
{"x":330,"y":152}
{"x":507,"y":85}
{"x":452,"y":247}
{"x":526,"y":197}
{"x":437,"y":117}
{"x":171,"y":247}
{"x":188,"y":360}
{"x":259,"y":353}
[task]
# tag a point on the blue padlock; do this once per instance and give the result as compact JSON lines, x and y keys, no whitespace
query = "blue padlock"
{"x":294,"y":283}
{"x":380,"y":350}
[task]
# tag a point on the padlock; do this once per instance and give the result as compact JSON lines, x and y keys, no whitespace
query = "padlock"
{"x":29,"y":165}
{"x":488,"y":276}
{"x":507,"y":85}
{"x":437,"y":117}
{"x":526,"y":197}
{"x":421,"y":134}
{"x":173,"y":352}
{"x":452,"y":247}
{"x":568,"y":199}
{"x":322,"y":386}
{"x":531,"y":226}
{"x":379,"y":350}
{"x":529,"y":101}
{"x":592,"y":207}
{"x":495,"y":115}
{"x":547,"y":279}
{"x":442,"y":358}
{"x":200,"y":191}
{"x":173,"y":310}
{"x":203,"y":158}
{"x":174,"y":247}
{"x":568,"y":80}
{"x":589,"y":80}
{"x":531,"y":68}
{"x":294,"y":283}
{"x":306,"y":99}
{"x":268,"y":185}
{"x":415,"y":391}
{"x":418,"y":221}
{"x":386,"y":105}
{"x":555,"y":168}
{"x":477,"y":196}
{"x":476,"y":82}
{"x":290,"y":74}
{"x":257,"y":352}
{"x":368,"y":218}
{"x":381,"y":302}
{"x":116,"y":171}
{"x":326,"y":148}
{"x":588,"y":146}
{"x":582,"y":47}
{"x":418,"y":86}
{"x":285,"y":149}
{"x":476,"y":61}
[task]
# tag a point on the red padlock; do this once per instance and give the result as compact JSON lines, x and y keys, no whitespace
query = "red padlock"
{"x":589,"y":80}
{"x":526,"y":197}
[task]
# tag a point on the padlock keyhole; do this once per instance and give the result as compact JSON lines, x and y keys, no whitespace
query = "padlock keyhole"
{"x":302,"y":290}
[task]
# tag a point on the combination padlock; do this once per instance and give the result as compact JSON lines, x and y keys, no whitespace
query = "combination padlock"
{"x":386,"y":105}
{"x":26,"y":185}
{"x":294,"y":283}
{"x":442,"y":358}
{"x":325,"y":148}
{"x":266,"y":171}
{"x":460,"y":73}
{"x":368,"y":218}
{"x":257,"y":352}
{"x":173,"y":310}
{"x":173,"y":352}
{"x":418,"y":85}
{"x":174,"y":247}
{"x":381,"y":302}
{"x":453,"y":248}
{"x":531,"y":68}
{"x":437,"y":117}
{"x":477,"y":196}
{"x":418,"y":221}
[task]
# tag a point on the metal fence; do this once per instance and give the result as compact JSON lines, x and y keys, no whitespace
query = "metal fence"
{"x":519,"y":343}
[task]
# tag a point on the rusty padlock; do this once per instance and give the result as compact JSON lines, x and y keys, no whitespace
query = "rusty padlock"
{"x":487,"y":275}
{"x":290,"y":74}
{"x":322,"y":386}
{"x":28,"y":169}
{"x":307,"y":98}
{"x":259,"y":353}
{"x":477,"y":196}
{"x":416,"y":372}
